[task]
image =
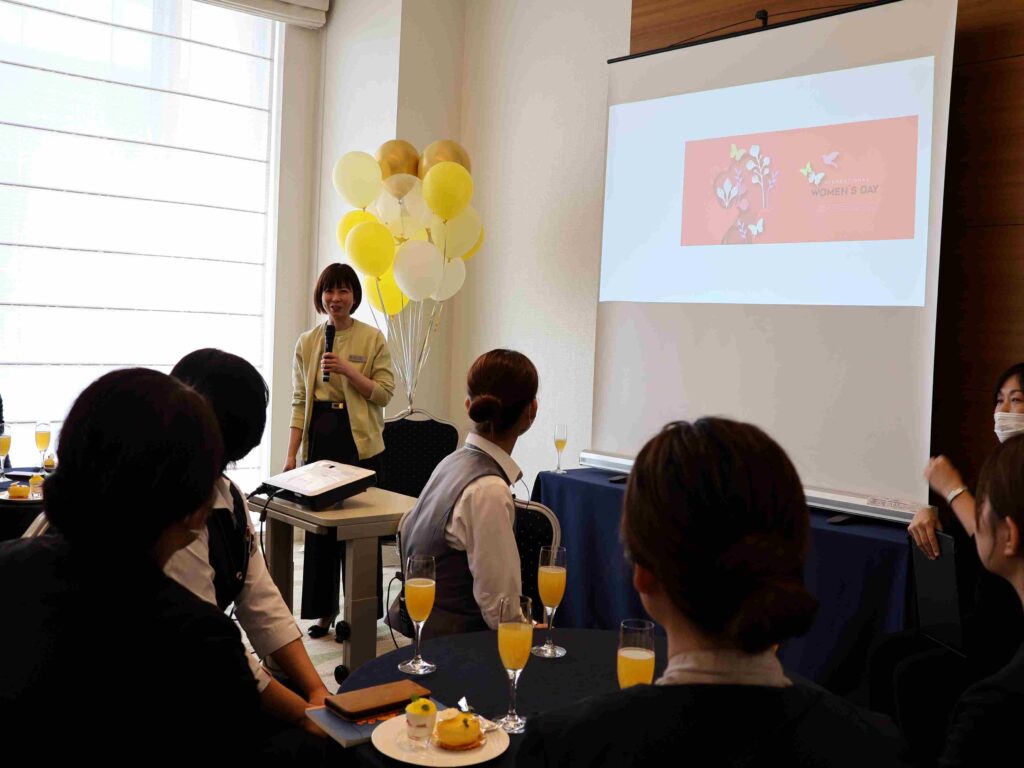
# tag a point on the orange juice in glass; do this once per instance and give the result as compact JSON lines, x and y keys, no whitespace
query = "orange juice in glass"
{"x":419,"y":598}
{"x":634,"y":663}
{"x":5,"y":448}
{"x":42,"y":440}
{"x":515,"y":635}
{"x":551,"y":586}
{"x":419,"y":601}
{"x":561,"y":438}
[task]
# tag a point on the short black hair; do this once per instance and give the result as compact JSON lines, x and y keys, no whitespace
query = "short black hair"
{"x":139,"y":451}
{"x":237,"y":393}
{"x":337,"y":276}
{"x":1014,"y":370}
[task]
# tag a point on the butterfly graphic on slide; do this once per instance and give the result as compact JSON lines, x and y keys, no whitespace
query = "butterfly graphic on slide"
{"x":811,"y":176}
{"x":736,"y":153}
{"x":756,"y":229}
{"x":830,"y":159}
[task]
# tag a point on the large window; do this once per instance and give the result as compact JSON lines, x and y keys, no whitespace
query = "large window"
{"x":136,"y":147}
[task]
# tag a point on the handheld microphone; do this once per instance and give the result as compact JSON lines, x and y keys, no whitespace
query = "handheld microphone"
{"x":328,"y":346}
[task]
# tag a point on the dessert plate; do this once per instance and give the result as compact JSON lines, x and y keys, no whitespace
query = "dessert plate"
{"x":5,"y":497}
{"x":389,"y":738}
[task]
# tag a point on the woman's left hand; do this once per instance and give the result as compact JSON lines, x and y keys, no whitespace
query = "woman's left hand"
{"x":331,"y":363}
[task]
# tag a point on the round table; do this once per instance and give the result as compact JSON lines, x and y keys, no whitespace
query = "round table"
{"x":16,"y":516}
{"x":468,"y":665}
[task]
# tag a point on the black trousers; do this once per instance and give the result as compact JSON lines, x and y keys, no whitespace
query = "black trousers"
{"x":330,"y":437}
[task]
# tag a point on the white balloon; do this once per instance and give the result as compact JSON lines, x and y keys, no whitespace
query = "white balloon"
{"x":462,"y":234}
{"x":451,"y":281}
{"x":418,"y":269}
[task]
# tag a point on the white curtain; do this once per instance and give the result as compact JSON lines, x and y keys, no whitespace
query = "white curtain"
{"x":311,"y":14}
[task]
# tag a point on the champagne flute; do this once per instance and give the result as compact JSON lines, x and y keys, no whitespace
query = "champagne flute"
{"x":515,"y":634}
{"x":561,"y":436}
{"x":42,"y":441}
{"x":5,"y":448}
{"x":419,"y":601}
{"x":635,"y":658}
{"x":551,"y":585}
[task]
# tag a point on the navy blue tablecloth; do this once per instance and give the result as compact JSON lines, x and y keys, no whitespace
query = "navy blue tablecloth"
{"x":859,"y":571}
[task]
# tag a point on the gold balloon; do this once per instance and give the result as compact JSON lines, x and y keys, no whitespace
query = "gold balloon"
{"x":444,"y":150}
{"x":397,"y":156}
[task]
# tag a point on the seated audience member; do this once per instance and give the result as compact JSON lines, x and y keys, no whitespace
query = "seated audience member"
{"x":102,"y":655}
{"x":465,"y":514}
{"x":717,"y":527}
{"x":986,"y":718}
{"x":905,"y":663}
{"x":224,"y":565}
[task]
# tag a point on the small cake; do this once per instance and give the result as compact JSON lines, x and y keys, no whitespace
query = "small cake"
{"x":419,"y":719}
{"x":17,"y":491}
{"x":458,"y":730}
{"x":49,"y":463}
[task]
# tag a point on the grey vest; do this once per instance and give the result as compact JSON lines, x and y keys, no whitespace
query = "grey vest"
{"x":455,"y":609}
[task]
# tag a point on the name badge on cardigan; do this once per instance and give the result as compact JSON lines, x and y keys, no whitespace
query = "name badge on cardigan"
{"x":357,"y":358}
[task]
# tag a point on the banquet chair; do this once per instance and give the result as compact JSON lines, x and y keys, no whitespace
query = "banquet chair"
{"x":536,"y":526}
{"x":413,"y":448}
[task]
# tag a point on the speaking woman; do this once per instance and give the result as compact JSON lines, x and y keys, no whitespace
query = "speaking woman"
{"x":338,"y":398}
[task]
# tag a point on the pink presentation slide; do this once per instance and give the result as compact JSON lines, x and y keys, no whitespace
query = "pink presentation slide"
{"x":831,"y":183}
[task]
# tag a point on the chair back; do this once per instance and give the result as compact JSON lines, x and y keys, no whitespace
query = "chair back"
{"x":412,"y":449}
{"x":536,"y":527}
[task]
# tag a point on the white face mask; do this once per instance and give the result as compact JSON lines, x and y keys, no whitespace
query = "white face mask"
{"x":1008,"y":425}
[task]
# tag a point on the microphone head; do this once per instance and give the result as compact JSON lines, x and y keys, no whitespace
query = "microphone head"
{"x":330,"y":333}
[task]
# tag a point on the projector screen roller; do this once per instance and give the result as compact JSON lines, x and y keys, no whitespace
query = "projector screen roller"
{"x":771,"y":242}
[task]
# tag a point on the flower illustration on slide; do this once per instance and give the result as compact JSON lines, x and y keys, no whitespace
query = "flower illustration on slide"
{"x":761,"y":175}
{"x":811,"y":176}
{"x":727,"y":192}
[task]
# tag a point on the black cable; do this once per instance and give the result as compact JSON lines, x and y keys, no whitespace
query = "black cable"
{"x":271,"y":492}
{"x":387,"y":604}
{"x":765,"y":20}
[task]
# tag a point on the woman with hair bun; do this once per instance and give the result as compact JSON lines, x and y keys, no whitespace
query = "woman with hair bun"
{"x":716,"y":525}
{"x":465,"y":514}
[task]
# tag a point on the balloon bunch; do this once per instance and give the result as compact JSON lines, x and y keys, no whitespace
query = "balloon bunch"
{"x":410,"y":235}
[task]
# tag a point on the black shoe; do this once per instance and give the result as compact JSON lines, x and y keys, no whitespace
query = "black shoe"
{"x":318,"y":630}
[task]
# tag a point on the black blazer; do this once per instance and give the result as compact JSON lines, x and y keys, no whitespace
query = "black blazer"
{"x":712,"y":725}
{"x":985,"y":726}
{"x":104,"y":657}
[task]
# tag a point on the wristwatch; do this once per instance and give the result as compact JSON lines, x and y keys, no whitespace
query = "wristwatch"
{"x":951,"y":496}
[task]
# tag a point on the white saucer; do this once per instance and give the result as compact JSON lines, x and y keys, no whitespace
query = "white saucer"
{"x":390,"y":739}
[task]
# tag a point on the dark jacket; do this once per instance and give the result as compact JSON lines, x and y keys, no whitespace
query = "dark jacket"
{"x":103,"y":656}
{"x":983,"y":728}
{"x":712,"y":725}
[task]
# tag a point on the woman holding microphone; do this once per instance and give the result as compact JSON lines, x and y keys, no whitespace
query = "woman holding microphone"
{"x":339,"y":393}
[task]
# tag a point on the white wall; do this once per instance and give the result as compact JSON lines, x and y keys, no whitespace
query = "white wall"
{"x":534,"y":113}
{"x":296,"y":232}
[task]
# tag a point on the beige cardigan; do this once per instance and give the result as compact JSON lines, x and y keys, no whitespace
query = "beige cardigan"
{"x":365,"y":415}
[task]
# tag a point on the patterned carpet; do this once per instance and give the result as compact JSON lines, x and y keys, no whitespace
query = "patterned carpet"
{"x":324,"y":652}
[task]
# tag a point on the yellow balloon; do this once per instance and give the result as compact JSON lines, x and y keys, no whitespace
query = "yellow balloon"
{"x":357,"y":178}
{"x":447,"y":189}
{"x":397,"y":156}
{"x":444,"y":150}
{"x":371,"y":248}
{"x":393,"y":298}
{"x":472,"y":251}
{"x":348,"y":221}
